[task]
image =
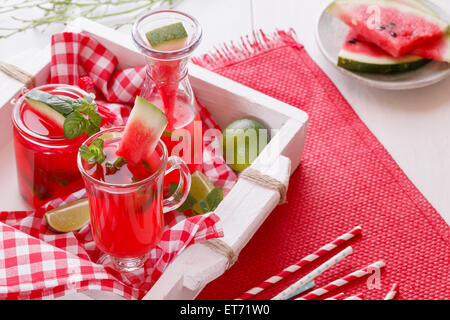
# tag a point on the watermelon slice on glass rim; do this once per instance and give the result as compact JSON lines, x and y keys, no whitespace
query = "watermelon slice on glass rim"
{"x":394,"y":26}
{"x":144,"y":127}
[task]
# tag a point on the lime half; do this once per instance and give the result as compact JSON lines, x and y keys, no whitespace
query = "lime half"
{"x":242,"y":142}
{"x":71,"y":217}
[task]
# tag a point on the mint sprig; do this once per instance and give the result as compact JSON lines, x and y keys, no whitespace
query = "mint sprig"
{"x":212,"y":200}
{"x":209,"y":204}
{"x":93,"y":153}
{"x":112,"y":168}
{"x":83,"y":119}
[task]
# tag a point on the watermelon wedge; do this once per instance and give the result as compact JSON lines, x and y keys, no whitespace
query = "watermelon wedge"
{"x":142,"y":131}
{"x":44,"y":104}
{"x":361,"y":56}
{"x":438,"y":49}
{"x":395,"y":27}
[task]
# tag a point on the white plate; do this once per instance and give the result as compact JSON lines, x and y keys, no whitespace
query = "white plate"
{"x":331,"y":34}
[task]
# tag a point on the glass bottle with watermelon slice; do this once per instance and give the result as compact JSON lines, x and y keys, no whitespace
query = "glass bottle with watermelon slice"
{"x":167,"y":38}
{"x":124,"y":171}
{"x":49,"y":125}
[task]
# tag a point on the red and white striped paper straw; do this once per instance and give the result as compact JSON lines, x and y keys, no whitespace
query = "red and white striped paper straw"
{"x":343,"y":281}
{"x":393,"y":293}
{"x":295,"y":289}
{"x":339,"y":296}
{"x":359,"y":296}
{"x":300,"y":264}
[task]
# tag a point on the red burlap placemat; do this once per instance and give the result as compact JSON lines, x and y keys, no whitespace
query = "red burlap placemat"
{"x":346,"y":179}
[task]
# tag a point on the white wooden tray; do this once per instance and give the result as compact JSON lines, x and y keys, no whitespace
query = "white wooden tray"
{"x":242,"y":211}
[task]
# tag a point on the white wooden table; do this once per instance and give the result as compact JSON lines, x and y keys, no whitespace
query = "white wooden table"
{"x":413,"y":125}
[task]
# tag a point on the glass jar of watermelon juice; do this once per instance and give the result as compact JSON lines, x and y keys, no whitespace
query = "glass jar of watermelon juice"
{"x":167,"y":38}
{"x":126,"y":200}
{"x":46,"y":160}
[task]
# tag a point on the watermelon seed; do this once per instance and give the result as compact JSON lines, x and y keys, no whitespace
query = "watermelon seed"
{"x":393,"y":34}
{"x":353,"y":41}
{"x":381,"y":28}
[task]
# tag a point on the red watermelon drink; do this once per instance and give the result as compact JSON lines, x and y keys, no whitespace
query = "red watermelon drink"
{"x":46,"y":159}
{"x":123,"y":170}
{"x":167,"y":39}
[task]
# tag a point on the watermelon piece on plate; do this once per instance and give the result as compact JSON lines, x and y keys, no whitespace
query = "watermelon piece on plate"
{"x":438,"y":49}
{"x":142,"y":132}
{"x":361,"y":56}
{"x":395,"y":27}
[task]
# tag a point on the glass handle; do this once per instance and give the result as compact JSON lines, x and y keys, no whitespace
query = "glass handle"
{"x":184,"y":185}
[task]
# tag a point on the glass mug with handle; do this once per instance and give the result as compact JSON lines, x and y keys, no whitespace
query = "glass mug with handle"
{"x":126,"y":202}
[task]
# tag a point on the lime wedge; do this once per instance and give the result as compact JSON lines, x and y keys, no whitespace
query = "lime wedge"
{"x":71,"y":217}
{"x":200,"y":187}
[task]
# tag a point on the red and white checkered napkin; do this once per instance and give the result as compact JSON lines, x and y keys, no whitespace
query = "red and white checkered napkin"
{"x":37,"y":263}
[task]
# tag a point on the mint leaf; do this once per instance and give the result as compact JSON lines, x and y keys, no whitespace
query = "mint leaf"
{"x":59,"y":103}
{"x":120,"y":162}
{"x":86,"y":107}
{"x":147,"y":166}
{"x":112,"y":168}
{"x":91,"y":129}
{"x":74,"y":125}
{"x":84,"y":118}
{"x":93,"y":153}
{"x":188,"y":203}
{"x":62,"y":104}
{"x":212,"y":200}
{"x":204,"y":206}
{"x":94,"y":118}
{"x":210,"y":203}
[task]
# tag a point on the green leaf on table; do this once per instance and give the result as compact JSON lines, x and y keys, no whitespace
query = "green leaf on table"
{"x":209,"y":204}
{"x":188,"y":203}
{"x":214,"y":198}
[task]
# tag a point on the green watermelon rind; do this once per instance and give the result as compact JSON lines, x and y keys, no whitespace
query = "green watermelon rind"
{"x":39,"y":102}
{"x":409,"y":64}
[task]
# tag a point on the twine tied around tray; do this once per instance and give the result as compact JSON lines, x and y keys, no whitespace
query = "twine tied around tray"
{"x":265,"y":181}
{"x":17,"y":73}
{"x":257,"y":177}
{"x":222,"y":248}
